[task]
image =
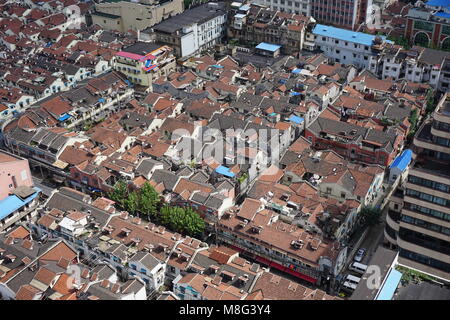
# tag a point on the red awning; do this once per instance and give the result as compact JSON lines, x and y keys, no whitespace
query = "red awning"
{"x":236,"y":248}
{"x":263,"y":260}
{"x":293,"y":272}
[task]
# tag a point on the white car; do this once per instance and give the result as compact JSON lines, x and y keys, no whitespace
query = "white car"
{"x":360,"y":254}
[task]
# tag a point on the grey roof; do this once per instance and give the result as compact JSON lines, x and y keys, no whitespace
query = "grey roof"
{"x":20,"y":252}
{"x":215,"y":201}
{"x":146,"y":166}
{"x":102,"y":293}
{"x":423,"y":291}
{"x":66,"y":199}
{"x":197,"y":15}
{"x":221,"y":122}
{"x":25,"y":275}
{"x":70,"y":69}
{"x":397,"y":112}
{"x":118,"y":250}
{"x":432,"y":56}
{"x":205,"y":262}
{"x":289,"y":157}
{"x":134,"y":120}
{"x":200,"y":197}
{"x":200,"y":176}
{"x":107,"y":36}
{"x":142,"y":48}
{"x":104,"y":271}
{"x":132,"y":286}
{"x":184,"y":172}
{"x":168,"y":178}
{"x":147,"y":259}
{"x":353,"y":132}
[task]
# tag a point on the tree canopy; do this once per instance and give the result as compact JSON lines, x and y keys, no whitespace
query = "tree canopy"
{"x":183,"y":220}
{"x":147,"y":202}
{"x":370,"y":216}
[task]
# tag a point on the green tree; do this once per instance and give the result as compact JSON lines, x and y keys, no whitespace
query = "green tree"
{"x":370,"y":216}
{"x":131,"y":202}
{"x":149,"y":200}
{"x":119,"y":193}
{"x":183,"y":220}
{"x":431,"y":103}
{"x":402,"y":41}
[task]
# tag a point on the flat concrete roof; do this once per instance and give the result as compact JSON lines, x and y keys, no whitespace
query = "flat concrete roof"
{"x":383,"y":258}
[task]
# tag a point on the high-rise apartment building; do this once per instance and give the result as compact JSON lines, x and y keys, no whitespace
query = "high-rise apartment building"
{"x":418,"y":221}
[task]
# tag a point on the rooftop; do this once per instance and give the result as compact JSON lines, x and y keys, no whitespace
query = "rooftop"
{"x":268,"y":47}
{"x":189,"y":17}
{"x":346,"y":35}
{"x":11,"y":203}
{"x":402,"y":161}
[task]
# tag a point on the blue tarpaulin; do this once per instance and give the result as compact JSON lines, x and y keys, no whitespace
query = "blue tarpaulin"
{"x":101,"y":100}
{"x":346,"y":35}
{"x":268,"y":47}
{"x":11,"y":203}
{"x":295,"y":93}
{"x":272,"y":114}
{"x":402,"y":161}
{"x":296,"y":70}
{"x":217,"y":66}
{"x":443,"y":15}
{"x":225,"y":171}
{"x":390,"y":285}
{"x":64,"y":117}
{"x":296,"y":119}
{"x":438,"y":3}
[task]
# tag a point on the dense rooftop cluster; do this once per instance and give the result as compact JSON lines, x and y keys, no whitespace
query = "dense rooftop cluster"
{"x":278,"y":150}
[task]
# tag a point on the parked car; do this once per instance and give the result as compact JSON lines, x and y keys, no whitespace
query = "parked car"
{"x":360,"y":254}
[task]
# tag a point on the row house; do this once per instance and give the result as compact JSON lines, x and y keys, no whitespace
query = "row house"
{"x":356,"y":143}
{"x":259,"y":234}
{"x":254,"y":24}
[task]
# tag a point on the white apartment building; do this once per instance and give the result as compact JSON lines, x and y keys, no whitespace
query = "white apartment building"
{"x":420,"y":65}
{"x":348,"y":47}
{"x":302,"y":7}
{"x":194,"y":30}
{"x":143,"y":62}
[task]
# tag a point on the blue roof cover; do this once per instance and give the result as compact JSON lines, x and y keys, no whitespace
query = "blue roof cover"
{"x":296,"y":119}
{"x":390,"y":285}
{"x":443,"y":15}
{"x":438,"y":3}
{"x":225,"y":171}
{"x":345,"y":35}
{"x":101,"y":100}
{"x":245,"y":7}
{"x":403,"y":160}
{"x":296,"y":70}
{"x":64,"y":117}
{"x":268,"y":46}
{"x":11,"y":203}
{"x":293,"y":93}
{"x":273,"y":114}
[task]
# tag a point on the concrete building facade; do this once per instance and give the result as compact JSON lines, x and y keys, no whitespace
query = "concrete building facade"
{"x":419,"y":220}
{"x":128,"y":15}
